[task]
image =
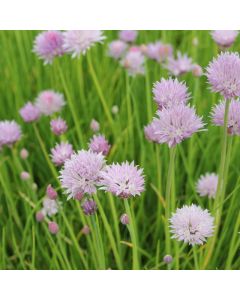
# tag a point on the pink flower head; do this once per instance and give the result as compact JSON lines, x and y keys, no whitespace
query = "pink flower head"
{"x":176,"y":124}
{"x":124,"y":219}
{"x":81,"y":173}
{"x":25,"y":175}
{"x":128,"y":35}
{"x":218,"y":112}
{"x":53,"y":227}
{"x":24,"y":153}
{"x":192,"y":225}
{"x":49,"y":102}
{"x":94,"y":125}
{"x":10,"y":133}
{"x":50,"y":207}
{"x":224,"y":38}
{"x":116,"y":49}
{"x":51,"y":192}
{"x":149,"y":131}
{"x":170,"y":92}
{"x":207,"y":185}
{"x":29,"y":112}
{"x":167,"y":259}
{"x":223,"y":75}
{"x":40,"y":216}
{"x":61,"y":152}
{"x":181,"y":65}
{"x":197,"y":70}
{"x":99,"y":144}
{"x":133,"y":62}
{"x":123,"y":180}
{"x":85,"y":230}
{"x":77,"y":42}
{"x":48,"y":44}
{"x":158,"y":51}
{"x":58,"y":126}
{"x":89,"y":207}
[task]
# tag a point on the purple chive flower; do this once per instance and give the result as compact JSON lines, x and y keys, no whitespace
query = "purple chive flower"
{"x":58,"y":126}
{"x":116,"y":49}
{"x":61,"y":152}
{"x":149,"y":132}
{"x":25,"y":175}
{"x":191,"y":224}
{"x":223,"y":75}
{"x":197,"y":70}
{"x":50,"y":207}
{"x":49,"y":102}
{"x":94,"y":125}
{"x":48,"y":44}
{"x":176,"y":124}
{"x":218,"y":112}
{"x":170,"y":92}
{"x":181,"y":65}
{"x":99,"y":144}
{"x":81,"y":173}
{"x":124,"y":219}
{"x":124,"y":180}
{"x":128,"y":35}
{"x":224,"y":38}
{"x":158,"y":51}
{"x":40,"y":216}
{"x":24,"y":154}
{"x":53,"y":227}
{"x":51,"y":192}
{"x":10,"y":133}
{"x":85,"y":230}
{"x":77,"y":42}
{"x":167,"y":259}
{"x":30,"y":113}
{"x":89,"y":207}
{"x":133,"y":62}
{"x":207,"y":185}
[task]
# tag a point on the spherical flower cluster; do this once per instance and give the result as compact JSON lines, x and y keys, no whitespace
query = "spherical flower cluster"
{"x":197,"y":70}
{"x":48,"y":44}
{"x":61,"y":152}
{"x":53,"y":227}
{"x":29,"y":112}
{"x":124,"y":180}
{"x":40,"y":216}
{"x":124,"y":219}
{"x":233,"y":124}
{"x":207,"y":185}
{"x":49,"y":102}
{"x":10,"y":133}
{"x":116,"y":49}
{"x":167,"y":259}
{"x":94,"y":125}
{"x":81,"y":173}
{"x":77,"y":42}
{"x":223,"y":75}
{"x":176,"y":124}
{"x":24,"y":153}
{"x":182,"y":64}
{"x":128,"y":35}
{"x":51,"y":192}
{"x":158,"y":51}
{"x":58,"y":126}
{"x":50,"y":207}
{"x":25,"y":175}
{"x":149,"y":131}
{"x":133,"y":62}
{"x":99,"y":144}
{"x":224,"y":38}
{"x":169,"y":93}
{"x":89,"y":207}
{"x":192,"y":225}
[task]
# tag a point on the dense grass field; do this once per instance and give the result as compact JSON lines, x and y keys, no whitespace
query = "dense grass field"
{"x":92,"y":85}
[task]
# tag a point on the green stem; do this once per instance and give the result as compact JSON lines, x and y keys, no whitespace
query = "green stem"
{"x":196,"y":264}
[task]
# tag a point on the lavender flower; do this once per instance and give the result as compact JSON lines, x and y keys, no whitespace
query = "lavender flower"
{"x":61,"y":152}
{"x":191,"y":224}
{"x":50,"y":207}
{"x":99,"y":144}
{"x":124,"y":219}
{"x":30,"y":113}
{"x":218,"y":112}
{"x":116,"y":49}
{"x":85,"y":230}
{"x":40,"y":216}
{"x":48,"y":44}
{"x":167,"y":259}
{"x":24,"y":154}
{"x":158,"y":51}
{"x":223,"y":75}
{"x":176,"y":124}
{"x":149,"y":132}
{"x":89,"y":207}
{"x":77,"y":42}
{"x":49,"y":102}
{"x":94,"y":125}
{"x":181,"y":65}
{"x":124,"y":180}
{"x":51,"y":192}
{"x":133,"y":62}
{"x":25,"y":175}
{"x":197,"y":70}
{"x":224,"y":38}
{"x":81,"y":173}
{"x":53,"y":227}
{"x":207,"y":185}
{"x":58,"y":126}
{"x":170,"y":92}
{"x":128,"y":35}
{"x":10,"y":133}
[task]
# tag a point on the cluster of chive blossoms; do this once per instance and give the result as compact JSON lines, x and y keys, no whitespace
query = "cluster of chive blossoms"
{"x":224,"y":38}
{"x":207,"y":185}
{"x":10,"y":133}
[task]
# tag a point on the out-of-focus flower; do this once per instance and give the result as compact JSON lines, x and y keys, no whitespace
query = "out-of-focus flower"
{"x":169,"y":93}
{"x":116,"y":49}
{"x":167,"y":259}
{"x":53,"y":227}
{"x":149,"y":131}
{"x":128,"y":35}
{"x":40,"y":216}
{"x":133,"y":62}
{"x":124,"y":180}
{"x":81,"y":173}
{"x":115,"y":109}
{"x":30,"y":113}
{"x":181,"y":65}
{"x":77,"y":42}
{"x":94,"y":125}
{"x":50,"y":207}
{"x":49,"y":102}
{"x":58,"y":126}
{"x":176,"y":124}
{"x":195,"y":41}
{"x":218,"y":112}
{"x":85,"y":230}
{"x":207,"y":185}
{"x":51,"y":192}
{"x":99,"y":144}
{"x":223,"y":75}
{"x":25,"y":175}
{"x":191,"y":224}
{"x":61,"y":152}
{"x":24,"y":154}
{"x":89,"y":207}
{"x":224,"y":38}
{"x":197,"y":70}
{"x":48,"y":44}
{"x":158,"y":51}
{"x":10,"y":133}
{"x":124,"y":219}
